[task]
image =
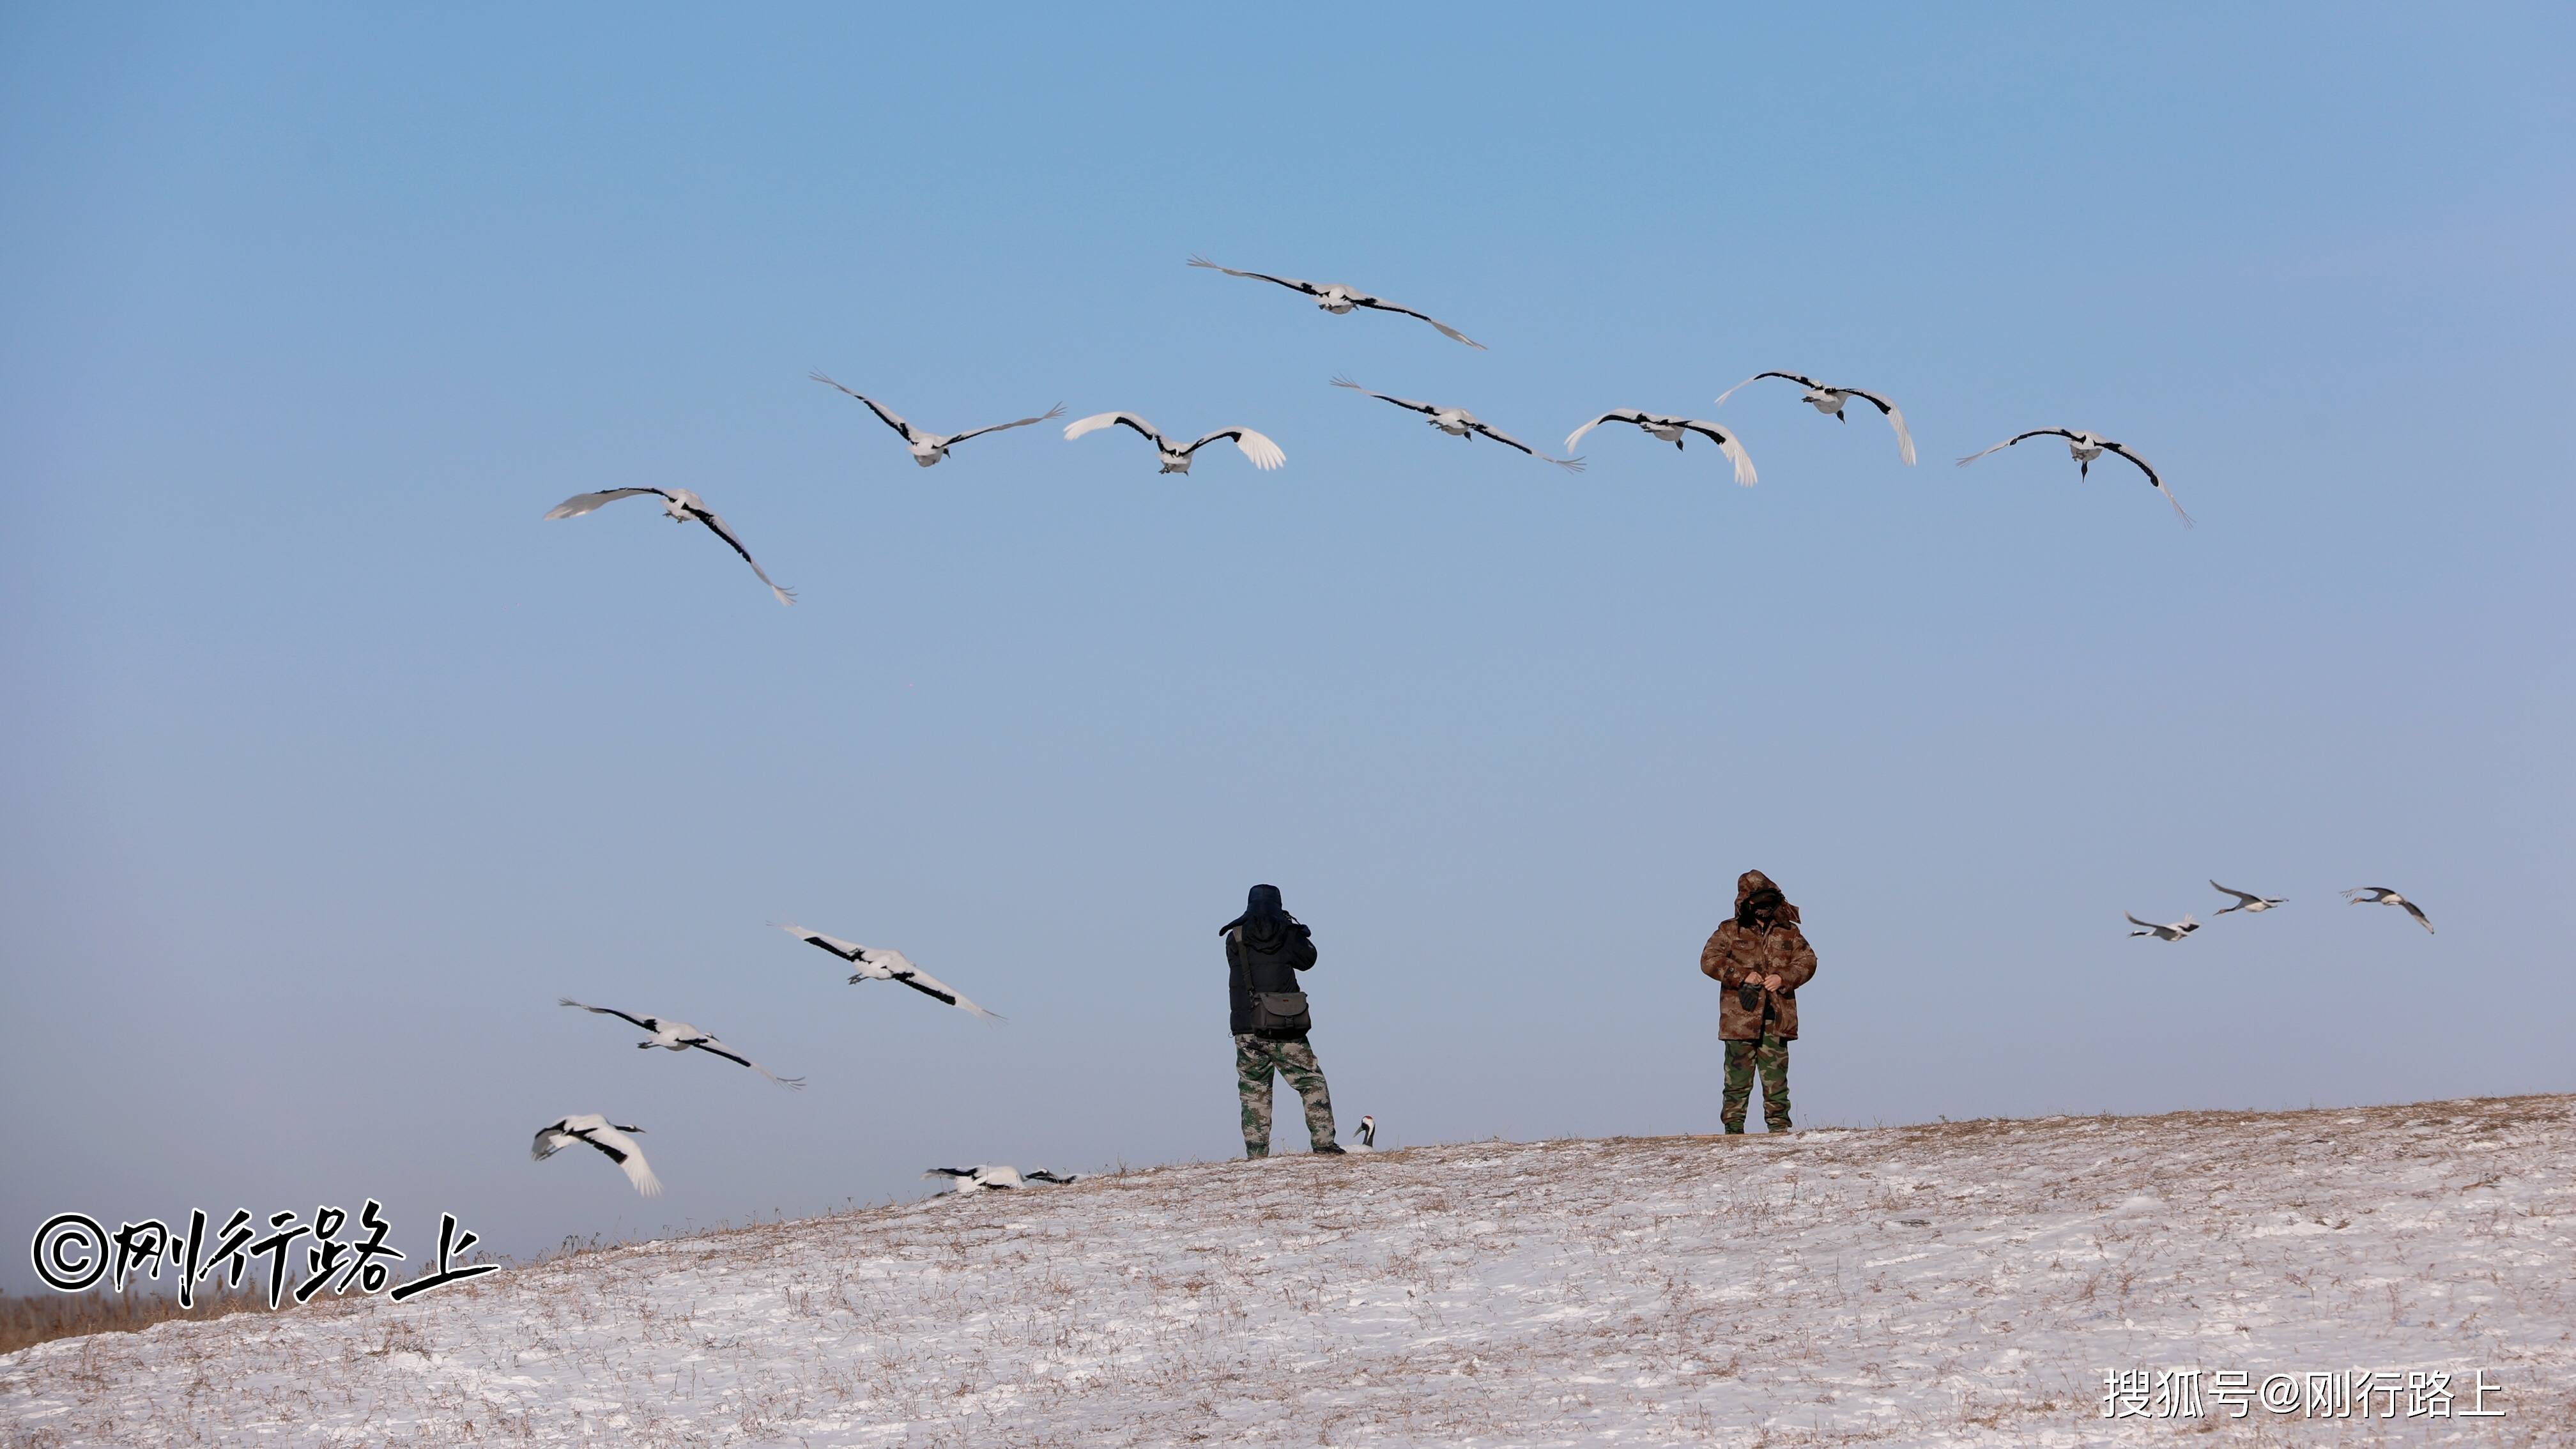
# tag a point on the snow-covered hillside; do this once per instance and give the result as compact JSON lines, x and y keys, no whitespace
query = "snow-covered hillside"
{"x":1965,"y":1283}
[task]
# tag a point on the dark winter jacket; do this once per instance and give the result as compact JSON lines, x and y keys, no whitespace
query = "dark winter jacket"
{"x":1265,"y":948}
{"x":1740,"y":952}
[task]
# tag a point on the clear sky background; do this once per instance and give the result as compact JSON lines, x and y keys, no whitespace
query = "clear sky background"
{"x":325,"y":766}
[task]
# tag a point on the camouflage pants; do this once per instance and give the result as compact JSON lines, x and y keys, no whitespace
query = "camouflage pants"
{"x":1771,"y":1056}
{"x":1255,"y":1058}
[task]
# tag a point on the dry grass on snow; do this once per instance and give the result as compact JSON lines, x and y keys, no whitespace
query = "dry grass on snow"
{"x":26,"y":1322}
{"x":1957,"y":1284}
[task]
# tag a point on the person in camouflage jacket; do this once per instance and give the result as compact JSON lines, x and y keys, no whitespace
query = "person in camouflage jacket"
{"x":1761,"y":957}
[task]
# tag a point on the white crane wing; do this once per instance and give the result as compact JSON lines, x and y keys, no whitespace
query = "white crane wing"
{"x":716,"y":525}
{"x":1615,"y":415}
{"x":1744,"y":475}
{"x":1508,"y":441}
{"x":581,"y":503}
{"x":621,"y":1149}
{"x":1054,"y":412}
{"x":2159,"y":483}
{"x":1895,"y":419}
{"x":714,"y":1047}
{"x":1402,"y":402}
{"x":1757,"y":377}
{"x":1309,"y":288}
{"x":892,"y":420}
{"x":2015,"y":438}
{"x":1265,"y":454}
{"x":642,"y":1021}
{"x":1097,"y":421}
{"x":1571,"y":465}
{"x":938,"y":990}
{"x":846,"y":950}
{"x":1383,"y":305}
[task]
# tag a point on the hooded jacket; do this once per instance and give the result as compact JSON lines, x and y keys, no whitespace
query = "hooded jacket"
{"x":1737,"y":953}
{"x":1265,"y":948}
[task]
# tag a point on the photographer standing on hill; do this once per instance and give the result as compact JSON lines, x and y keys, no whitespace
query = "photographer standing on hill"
{"x":1761,"y":958}
{"x":1265,"y":948}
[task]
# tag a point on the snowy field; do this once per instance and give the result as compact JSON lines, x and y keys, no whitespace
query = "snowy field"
{"x":1954,"y":1284}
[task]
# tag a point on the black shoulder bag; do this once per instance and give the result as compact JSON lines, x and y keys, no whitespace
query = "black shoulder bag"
{"x":1274,"y":1013}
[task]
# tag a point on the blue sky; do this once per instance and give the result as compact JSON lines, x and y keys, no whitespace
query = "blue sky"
{"x":329,"y":766}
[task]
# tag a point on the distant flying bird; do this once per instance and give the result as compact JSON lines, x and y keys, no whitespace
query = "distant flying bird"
{"x":2084,"y":448}
{"x":1830,"y":400}
{"x":594,"y":1129}
{"x":684,"y":507}
{"x":2174,"y":932}
{"x":679,"y":1036}
{"x":1670,"y":430}
{"x":2383,"y":896}
{"x":1365,"y":1138}
{"x":1458,"y":423}
{"x":992,"y":1177}
{"x":1337,"y":299}
{"x":927,"y":447}
{"x":1265,"y":454}
{"x":876,"y":963}
{"x":2245,"y":900}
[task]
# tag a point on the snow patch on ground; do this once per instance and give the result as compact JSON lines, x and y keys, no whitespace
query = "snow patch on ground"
{"x":1951,"y":1284}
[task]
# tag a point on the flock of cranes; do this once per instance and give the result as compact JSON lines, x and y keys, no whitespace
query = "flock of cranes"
{"x":928,"y":449}
{"x":2251,"y":903}
{"x":616,"y":1140}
